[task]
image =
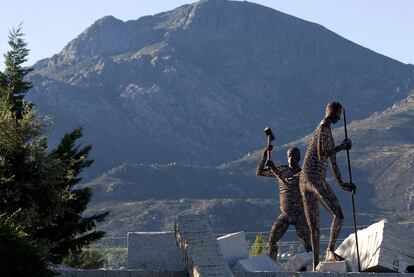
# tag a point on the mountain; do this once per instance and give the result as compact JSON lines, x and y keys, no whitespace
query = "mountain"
{"x":139,"y":182}
{"x":168,"y":100}
{"x":144,"y":197}
{"x":196,"y":85}
{"x":382,"y":158}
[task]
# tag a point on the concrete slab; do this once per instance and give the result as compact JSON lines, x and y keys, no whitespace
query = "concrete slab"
{"x":339,"y":266}
{"x":234,"y":247}
{"x":261,"y":263}
{"x":156,"y":251}
{"x":143,"y":273}
{"x":383,"y":247}
{"x":299,"y":261}
{"x":317,"y":274}
{"x":119,"y":273}
{"x":199,"y":247}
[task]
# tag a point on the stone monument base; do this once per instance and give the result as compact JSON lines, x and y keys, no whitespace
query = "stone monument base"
{"x":261,"y":263}
{"x":300,"y":261}
{"x":338,"y":266}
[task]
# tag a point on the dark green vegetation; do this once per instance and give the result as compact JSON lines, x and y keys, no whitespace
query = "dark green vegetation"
{"x":196,"y":86}
{"x":20,"y":256}
{"x":38,"y":199}
{"x":84,"y":259}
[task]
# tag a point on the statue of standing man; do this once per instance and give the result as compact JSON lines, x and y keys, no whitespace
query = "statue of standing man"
{"x":313,"y":186}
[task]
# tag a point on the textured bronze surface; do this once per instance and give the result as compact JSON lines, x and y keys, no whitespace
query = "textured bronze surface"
{"x":291,"y":205}
{"x":313,"y":186}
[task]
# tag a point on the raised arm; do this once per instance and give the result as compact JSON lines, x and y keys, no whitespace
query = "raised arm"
{"x":262,"y":169}
{"x":269,"y":170}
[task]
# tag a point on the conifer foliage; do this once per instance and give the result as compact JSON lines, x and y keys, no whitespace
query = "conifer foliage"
{"x":12,"y":81}
{"x":20,"y":256}
{"x":37,"y":186}
{"x":70,"y":231}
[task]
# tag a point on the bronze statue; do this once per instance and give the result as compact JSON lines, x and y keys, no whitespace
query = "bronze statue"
{"x":313,"y":186}
{"x":291,"y":205}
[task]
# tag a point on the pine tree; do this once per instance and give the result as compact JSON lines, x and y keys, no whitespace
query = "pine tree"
{"x":20,"y":256}
{"x":12,"y":80}
{"x":37,"y":187}
{"x":26,"y":170}
{"x":69,"y":232}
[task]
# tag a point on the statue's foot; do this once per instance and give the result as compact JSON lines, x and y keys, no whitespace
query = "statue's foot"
{"x":332,"y":257}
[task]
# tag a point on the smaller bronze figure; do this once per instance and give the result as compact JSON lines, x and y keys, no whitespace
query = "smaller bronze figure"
{"x":291,"y":205}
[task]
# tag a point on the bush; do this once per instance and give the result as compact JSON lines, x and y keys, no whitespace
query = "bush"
{"x":84,"y":259}
{"x":259,"y":246}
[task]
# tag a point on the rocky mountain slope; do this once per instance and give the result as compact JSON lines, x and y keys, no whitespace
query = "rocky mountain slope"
{"x":382,"y":157}
{"x":197,"y":84}
{"x":138,"y":182}
{"x":166,"y":99}
{"x":382,"y":161}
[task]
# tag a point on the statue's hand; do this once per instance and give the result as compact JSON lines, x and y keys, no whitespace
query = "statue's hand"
{"x":348,"y":187}
{"x":346,"y":144}
{"x":270,"y":164}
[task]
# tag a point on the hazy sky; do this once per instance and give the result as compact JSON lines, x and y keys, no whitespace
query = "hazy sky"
{"x":385,"y":26}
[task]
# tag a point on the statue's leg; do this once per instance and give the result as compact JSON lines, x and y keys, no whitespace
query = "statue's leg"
{"x":278,"y":230}
{"x":303,"y":232}
{"x":331,"y":203}
{"x":311,"y":207}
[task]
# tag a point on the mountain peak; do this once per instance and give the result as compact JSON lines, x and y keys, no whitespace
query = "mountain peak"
{"x":109,"y":35}
{"x":215,"y":67}
{"x":108,"y":19}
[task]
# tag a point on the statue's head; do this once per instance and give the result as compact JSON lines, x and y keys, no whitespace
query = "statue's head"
{"x":334,"y":111}
{"x":293,"y":155}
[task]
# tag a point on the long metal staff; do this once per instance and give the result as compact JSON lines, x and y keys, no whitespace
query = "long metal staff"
{"x":353,"y":195}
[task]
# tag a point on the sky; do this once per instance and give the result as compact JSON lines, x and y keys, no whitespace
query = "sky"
{"x":384,"y":26}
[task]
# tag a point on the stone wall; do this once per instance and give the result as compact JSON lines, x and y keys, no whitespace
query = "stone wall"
{"x":145,"y":273}
{"x":155,"y":251}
